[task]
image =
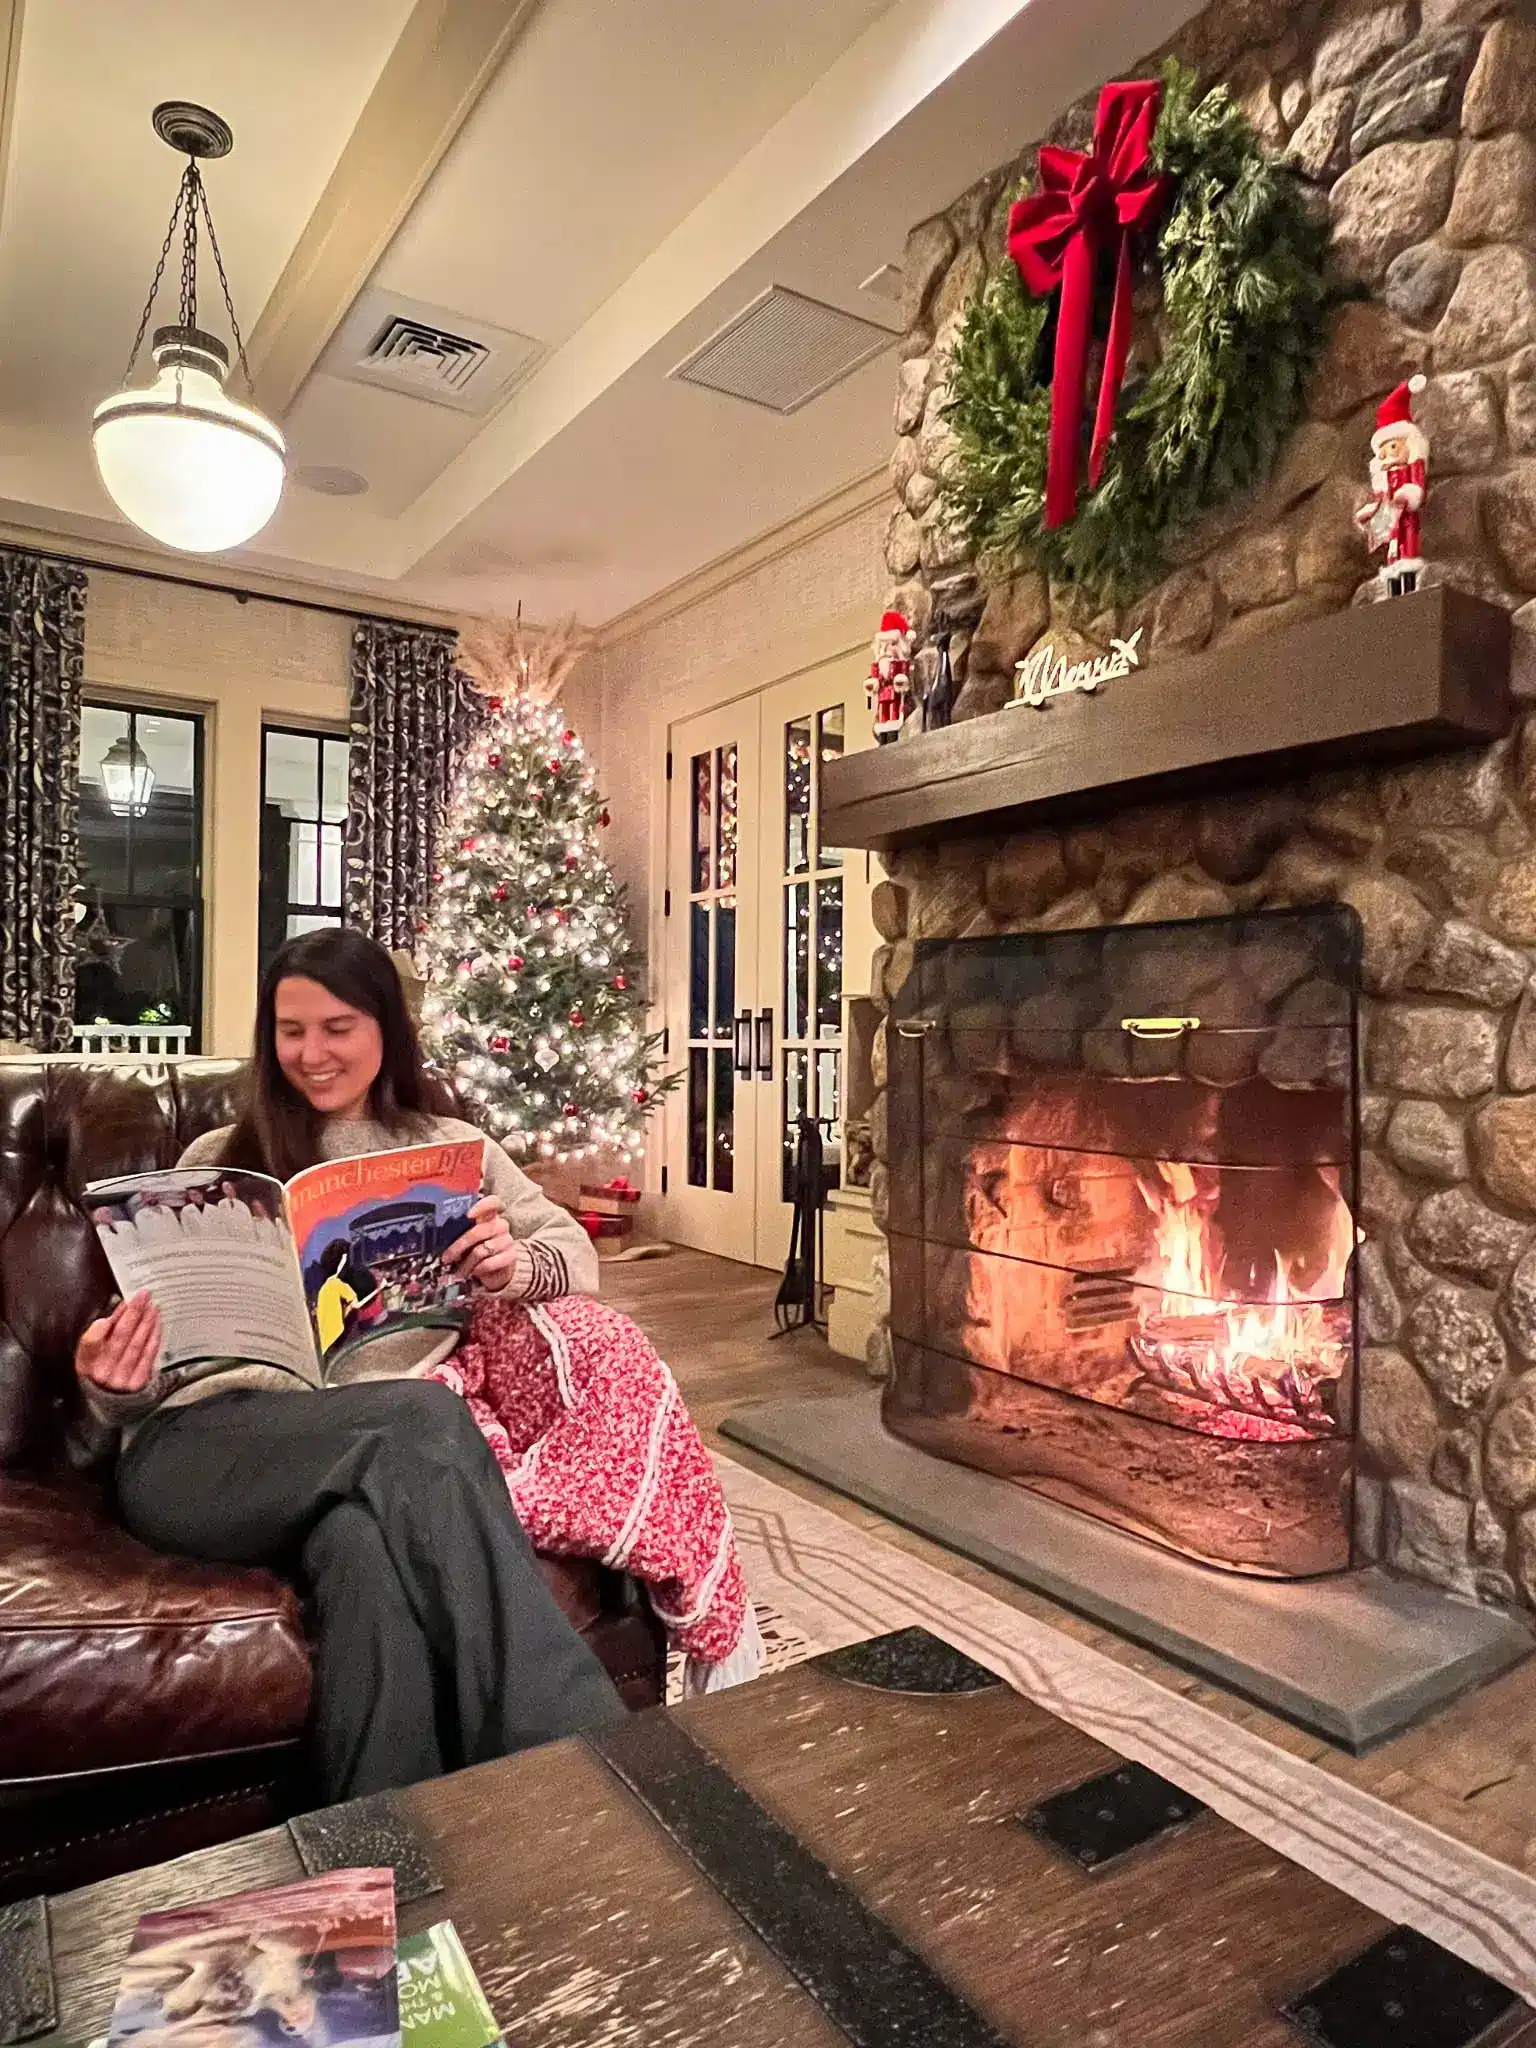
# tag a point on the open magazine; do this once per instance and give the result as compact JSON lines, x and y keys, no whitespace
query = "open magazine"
{"x":297,"y":1275}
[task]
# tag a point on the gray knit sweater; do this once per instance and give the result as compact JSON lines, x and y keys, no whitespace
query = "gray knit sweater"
{"x":560,"y":1260}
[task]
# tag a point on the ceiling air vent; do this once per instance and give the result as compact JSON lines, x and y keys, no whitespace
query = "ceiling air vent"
{"x":429,"y":359}
{"x":428,"y":352}
{"x":783,"y":350}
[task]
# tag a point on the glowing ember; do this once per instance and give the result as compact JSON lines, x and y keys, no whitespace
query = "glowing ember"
{"x":1269,"y":1364}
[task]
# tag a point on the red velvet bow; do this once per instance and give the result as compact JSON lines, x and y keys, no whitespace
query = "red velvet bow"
{"x":1055,"y":236}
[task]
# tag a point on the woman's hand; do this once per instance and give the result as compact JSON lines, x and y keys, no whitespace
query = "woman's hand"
{"x":488,"y":1253}
{"x":120,"y":1351}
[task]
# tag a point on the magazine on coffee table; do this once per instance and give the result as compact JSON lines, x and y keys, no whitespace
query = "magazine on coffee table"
{"x":297,"y":1275}
{"x":307,"y":1965}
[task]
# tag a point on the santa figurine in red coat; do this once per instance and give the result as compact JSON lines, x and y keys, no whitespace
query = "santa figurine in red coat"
{"x":888,"y":685}
{"x":1399,"y":480}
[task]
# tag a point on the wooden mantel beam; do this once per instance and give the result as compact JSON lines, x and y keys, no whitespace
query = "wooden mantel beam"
{"x":1373,"y":683}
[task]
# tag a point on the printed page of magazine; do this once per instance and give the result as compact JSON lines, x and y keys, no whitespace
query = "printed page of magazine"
{"x":370,"y":1235}
{"x":213,"y":1248}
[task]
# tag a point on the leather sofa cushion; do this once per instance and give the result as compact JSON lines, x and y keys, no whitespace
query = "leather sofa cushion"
{"x":112,"y":1655}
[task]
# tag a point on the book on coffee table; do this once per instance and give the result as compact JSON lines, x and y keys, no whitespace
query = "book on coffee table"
{"x":441,"y":2002}
{"x":308,"y":1965}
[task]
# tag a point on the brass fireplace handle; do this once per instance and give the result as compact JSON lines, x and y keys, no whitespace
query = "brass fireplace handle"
{"x":1159,"y":1027}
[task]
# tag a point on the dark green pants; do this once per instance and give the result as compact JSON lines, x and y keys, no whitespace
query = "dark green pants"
{"x":439,"y":1644}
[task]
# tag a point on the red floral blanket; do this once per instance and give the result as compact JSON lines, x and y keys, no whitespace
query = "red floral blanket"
{"x":603,"y":1460}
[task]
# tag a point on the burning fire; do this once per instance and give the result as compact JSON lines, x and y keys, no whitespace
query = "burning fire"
{"x":1266,"y":1363}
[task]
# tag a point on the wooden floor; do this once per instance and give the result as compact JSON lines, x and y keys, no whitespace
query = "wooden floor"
{"x":1470,"y":1771}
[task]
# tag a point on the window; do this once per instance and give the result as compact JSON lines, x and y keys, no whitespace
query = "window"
{"x":303,"y":821}
{"x":140,"y":942}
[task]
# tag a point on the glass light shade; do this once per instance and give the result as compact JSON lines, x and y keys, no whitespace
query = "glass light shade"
{"x":181,"y":459}
{"x":127,"y":778}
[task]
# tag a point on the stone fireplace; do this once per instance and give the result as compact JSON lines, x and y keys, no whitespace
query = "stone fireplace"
{"x":1121,"y":1259}
{"x":1412,"y":127}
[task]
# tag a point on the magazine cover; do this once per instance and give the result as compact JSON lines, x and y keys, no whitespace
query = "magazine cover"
{"x":310,"y":1963}
{"x":240,"y":1266}
{"x":441,"y":2002}
{"x":371,"y":1234}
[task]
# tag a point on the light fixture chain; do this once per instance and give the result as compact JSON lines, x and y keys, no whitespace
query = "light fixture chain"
{"x":154,"y":283}
{"x":229,"y":304}
{"x":194,"y":192}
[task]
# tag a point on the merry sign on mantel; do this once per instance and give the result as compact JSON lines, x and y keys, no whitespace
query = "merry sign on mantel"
{"x":1045,"y":674}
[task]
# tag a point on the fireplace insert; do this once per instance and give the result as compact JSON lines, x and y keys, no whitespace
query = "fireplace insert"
{"x":1122,"y":1188}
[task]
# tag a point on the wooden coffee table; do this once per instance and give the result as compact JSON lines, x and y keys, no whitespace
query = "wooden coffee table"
{"x":836,"y":1854}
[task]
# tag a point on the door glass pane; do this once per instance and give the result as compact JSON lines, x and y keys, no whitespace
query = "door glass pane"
{"x":330,"y":864}
{"x":333,"y":782}
{"x":829,"y":959}
{"x":165,"y":837}
{"x":698,"y":1118}
{"x":103,"y":834}
{"x":797,"y":958}
{"x":797,"y":796}
{"x":311,"y":921}
{"x":702,"y":835}
{"x":304,"y":863}
{"x":725,"y":965}
{"x":698,"y":970}
{"x":796,"y":1105}
{"x":829,"y":1112}
{"x":723,"y":1150}
{"x":726,"y":821}
{"x":829,"y":726}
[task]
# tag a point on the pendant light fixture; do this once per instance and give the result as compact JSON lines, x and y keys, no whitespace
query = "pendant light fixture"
{"x":127,"y":779}
{"x":179,"y":457}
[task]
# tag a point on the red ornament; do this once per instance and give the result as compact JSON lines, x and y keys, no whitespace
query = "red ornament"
{"x":569,"y":737}
{"x":499,"y":893}
{"x":494,"y":702}
{"x":578,"y":1019}
{"x":500,"y":1042}
{"x":554,"y":767}
{"x":493,"y":760}
{"x":573,"y":860}
{"x":562,"y":917}
{"x":438,"y":876}
{"x":640,"y":1095}
{"x":468,"y":845}
{"x":1087,"y":202}
{"x":514,"y":963}
{"x":569,"y":1109}
{"x":621,"y":981}
{"x":604,"y":819}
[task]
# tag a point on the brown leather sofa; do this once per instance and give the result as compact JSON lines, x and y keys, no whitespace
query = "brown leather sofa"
{"x":148,"y":1705}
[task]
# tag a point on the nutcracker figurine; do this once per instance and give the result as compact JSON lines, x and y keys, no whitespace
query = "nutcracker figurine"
{"x":1399,"y":480}
{"x":889,"y":683}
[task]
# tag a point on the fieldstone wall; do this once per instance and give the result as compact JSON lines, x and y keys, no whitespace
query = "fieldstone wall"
{"x":1413,"y":126}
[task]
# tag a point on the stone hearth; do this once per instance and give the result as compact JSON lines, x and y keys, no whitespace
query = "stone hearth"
{"x":1413,"y":131}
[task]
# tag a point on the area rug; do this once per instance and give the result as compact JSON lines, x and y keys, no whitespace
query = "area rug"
{"x":830,"y":1583}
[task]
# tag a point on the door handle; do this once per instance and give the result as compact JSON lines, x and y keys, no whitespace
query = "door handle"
{"x":742,"y":1054}
{"x":764,"y":1035}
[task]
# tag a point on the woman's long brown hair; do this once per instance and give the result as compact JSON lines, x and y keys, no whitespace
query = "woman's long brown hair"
{"x":278,"y":1132}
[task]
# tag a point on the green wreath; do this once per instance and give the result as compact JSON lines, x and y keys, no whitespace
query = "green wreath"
{"x":1247,"y":290}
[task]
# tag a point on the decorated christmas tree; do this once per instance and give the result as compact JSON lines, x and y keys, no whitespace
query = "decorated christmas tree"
{"x":535,"y":1005}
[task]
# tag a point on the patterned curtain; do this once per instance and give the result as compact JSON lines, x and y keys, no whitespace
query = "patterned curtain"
{"x":410,"y":716}
{"x":42,"y":660}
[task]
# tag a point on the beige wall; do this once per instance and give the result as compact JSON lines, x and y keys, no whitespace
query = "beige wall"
{"x":236,"y":662}
{"x":790,"y":606}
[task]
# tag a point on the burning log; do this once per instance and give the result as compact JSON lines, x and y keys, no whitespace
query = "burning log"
{"x":1193,"y":1355}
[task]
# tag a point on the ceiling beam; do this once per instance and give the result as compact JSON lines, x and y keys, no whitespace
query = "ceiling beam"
{"x":447,"y":54}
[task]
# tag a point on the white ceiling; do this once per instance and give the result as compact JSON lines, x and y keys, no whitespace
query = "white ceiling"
{"x":630,"y":177}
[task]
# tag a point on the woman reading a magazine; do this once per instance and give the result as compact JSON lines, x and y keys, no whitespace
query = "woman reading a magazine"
{"x":439,"y":1643}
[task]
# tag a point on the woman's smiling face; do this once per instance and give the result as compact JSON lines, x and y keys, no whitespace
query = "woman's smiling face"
{"x":329,"y":1051}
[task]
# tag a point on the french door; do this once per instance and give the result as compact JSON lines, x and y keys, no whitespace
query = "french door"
{"x":754,"y":958}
